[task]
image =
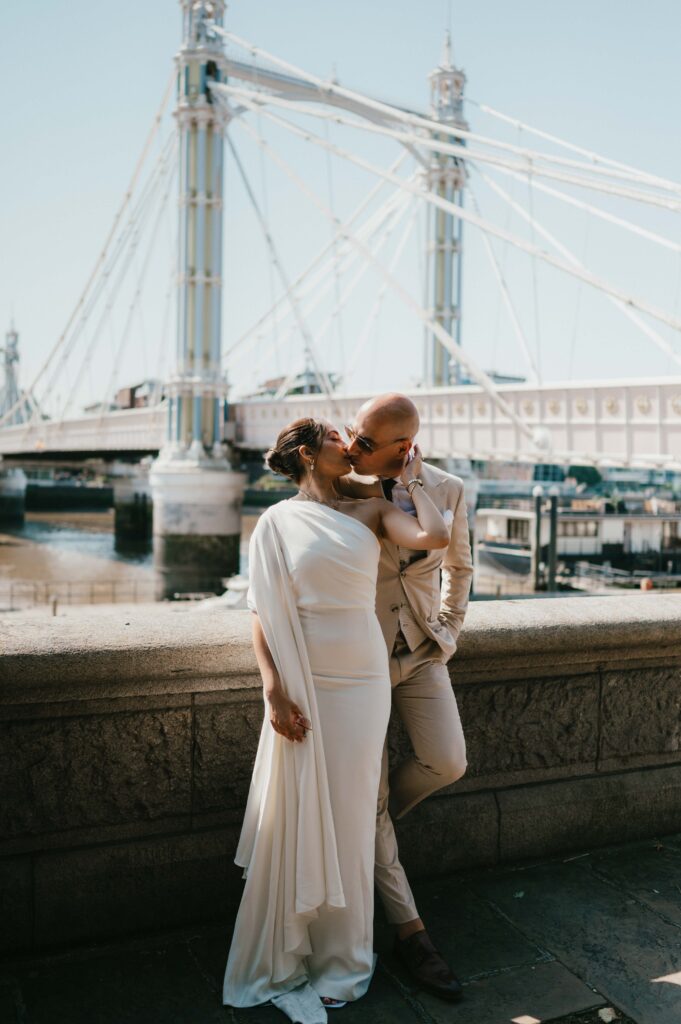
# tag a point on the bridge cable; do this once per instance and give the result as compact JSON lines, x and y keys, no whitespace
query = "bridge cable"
{"x":320,"y":292}
{"x":567,"y":254}
{"x":136,"y":217}
{"x":328,"y":90}
{"x":443,"y":336}
{"x":393,"y":220}
{"x":580,"y":204}
{"x":102,"y":255}
{"x":506,"y":296}
{"x":321,"y":376}
{"x":125,"y":333}
{"x":466,"y":215}
{"x":533,"y":264}
{"x":380,"y":295}
{"x":652,"y":179}
{"x":316,"y":283}
{"x":410,"y":141}
{"x":126,"y":246}
{"x":314,"y":264}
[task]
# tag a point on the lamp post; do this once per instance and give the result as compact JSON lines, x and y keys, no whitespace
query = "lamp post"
{"x":553,"y":536}
{"x":538,"y":495}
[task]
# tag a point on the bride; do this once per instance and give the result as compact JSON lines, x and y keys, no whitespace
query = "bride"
{"x":304,"y":932}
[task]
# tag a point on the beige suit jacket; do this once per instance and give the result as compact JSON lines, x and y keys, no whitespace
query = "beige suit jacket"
{"x":436,"y":587}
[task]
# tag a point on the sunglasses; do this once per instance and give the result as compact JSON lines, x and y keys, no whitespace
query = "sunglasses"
{"x":367,"y":446}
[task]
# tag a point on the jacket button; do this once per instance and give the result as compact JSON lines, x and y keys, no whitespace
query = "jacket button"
{"x":395,"y":608}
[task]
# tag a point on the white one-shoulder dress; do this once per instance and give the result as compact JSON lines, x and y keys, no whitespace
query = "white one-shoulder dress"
{"x":307,"y":842}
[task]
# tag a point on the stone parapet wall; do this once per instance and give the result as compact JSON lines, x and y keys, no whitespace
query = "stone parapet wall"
{"x":127,"y":740}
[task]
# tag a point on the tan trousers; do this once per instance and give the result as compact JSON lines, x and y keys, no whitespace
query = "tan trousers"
{"x":423,"y":696}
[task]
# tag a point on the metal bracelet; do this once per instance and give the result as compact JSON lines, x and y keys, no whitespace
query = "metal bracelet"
{"x":414,"y":480}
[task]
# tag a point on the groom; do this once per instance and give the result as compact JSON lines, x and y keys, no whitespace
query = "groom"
{"x":421,"y":602}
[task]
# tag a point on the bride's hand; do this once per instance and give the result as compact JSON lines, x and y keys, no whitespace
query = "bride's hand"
{"x":287,"y":719}
{"x":412,"y":468}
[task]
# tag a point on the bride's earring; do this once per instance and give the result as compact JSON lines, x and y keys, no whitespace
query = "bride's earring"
{"x":312,"y":465}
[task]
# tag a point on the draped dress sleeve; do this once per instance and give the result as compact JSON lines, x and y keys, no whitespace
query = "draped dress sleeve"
{"x":288,"y":827}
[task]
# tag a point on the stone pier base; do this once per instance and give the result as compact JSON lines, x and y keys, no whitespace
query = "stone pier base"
{"x":197,"y":522}
{"x":12,"y":497}
{"x":133,"y":508}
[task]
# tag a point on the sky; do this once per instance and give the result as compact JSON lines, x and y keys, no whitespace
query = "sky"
{"x":83,"y":82}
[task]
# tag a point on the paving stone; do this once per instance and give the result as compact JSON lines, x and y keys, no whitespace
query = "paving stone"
{"x":527,"y":995}
{"x":9,"y":1011}
{"x":470,"y":934}
{"x":650,"y":872}
{"x":115,"y":890}
{"x":592,"y":1017}
{"x":383,"y":1003}
{"x":613,"y":943}
{"x":15,"y":903}
{"x":153,"y":986}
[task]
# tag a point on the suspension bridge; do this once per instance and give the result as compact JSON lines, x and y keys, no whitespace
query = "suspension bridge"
{"x":427,"y":171}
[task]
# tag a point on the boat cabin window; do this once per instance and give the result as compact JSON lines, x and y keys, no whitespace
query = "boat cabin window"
{"x":579,"y":528}
{"x":518,"y":529}
{"x":671,"y":534}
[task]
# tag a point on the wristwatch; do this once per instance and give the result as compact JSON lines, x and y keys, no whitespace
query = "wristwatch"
{"x":414,"y":480}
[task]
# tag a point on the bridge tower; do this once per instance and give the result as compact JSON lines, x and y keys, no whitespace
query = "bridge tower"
{"x":9,"y":393}
{"x":446,"y":177}
{"x":196,"y":493}
{"x":12,"y":481}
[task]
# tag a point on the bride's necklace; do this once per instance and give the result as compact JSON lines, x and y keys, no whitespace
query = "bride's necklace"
{"x":320,"y":501}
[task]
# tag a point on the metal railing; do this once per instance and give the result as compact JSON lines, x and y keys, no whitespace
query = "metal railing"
{"x":16,"y":594}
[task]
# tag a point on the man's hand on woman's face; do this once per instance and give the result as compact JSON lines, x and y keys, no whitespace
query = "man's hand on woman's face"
{"x":412,"y":468}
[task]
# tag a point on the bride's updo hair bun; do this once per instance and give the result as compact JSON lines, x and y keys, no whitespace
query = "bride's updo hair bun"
{"x":284,"y":457}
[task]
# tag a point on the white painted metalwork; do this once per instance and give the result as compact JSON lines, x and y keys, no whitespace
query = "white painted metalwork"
{"x":618,"y":423}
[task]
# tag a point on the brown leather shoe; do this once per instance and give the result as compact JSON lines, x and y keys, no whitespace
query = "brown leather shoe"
{"x":427,"y":967}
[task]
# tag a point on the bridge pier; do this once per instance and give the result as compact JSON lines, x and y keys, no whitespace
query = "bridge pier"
{"x":133,"y":505}
{"x":12,"y":496}
{"x":197,"y":523}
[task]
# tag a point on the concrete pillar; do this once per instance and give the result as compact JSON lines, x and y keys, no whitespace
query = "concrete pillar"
{"x":197,"y":524}
{"x":133,"y":505}
{"x":12,"y":496}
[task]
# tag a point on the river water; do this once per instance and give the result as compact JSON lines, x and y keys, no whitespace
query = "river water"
{"x":71,"y":555}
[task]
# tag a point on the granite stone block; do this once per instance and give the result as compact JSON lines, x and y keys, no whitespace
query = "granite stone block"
{"x":521,"y":730}
{"x":225,"y":743}
{"x":65,"y":773}
{"x":113,"y":890}
{"x":641,"y":714}
{"x":16,"y":913}
{"x":536,"y":725}
{"x":446,"y":833}
{"x":582,"y":813}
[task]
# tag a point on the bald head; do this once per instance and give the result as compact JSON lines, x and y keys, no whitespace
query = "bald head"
{"x":391,"y":408}
{"x":385,"y":428}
